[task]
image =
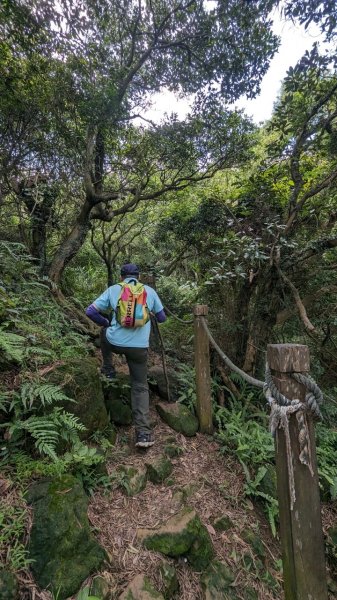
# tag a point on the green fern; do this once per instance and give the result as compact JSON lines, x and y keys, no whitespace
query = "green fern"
{"x":252,"y":489}
{"x":11,"y":346}
{"x":46,"y":394}
{"x":47,"y":430}
{"x":4,"y":400}
{"x":38,"y":351}
{"x":44,"y":432}
{"x":68,"y":423}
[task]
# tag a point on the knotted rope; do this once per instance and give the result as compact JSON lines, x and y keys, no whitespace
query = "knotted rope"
{"x":281,"y":409}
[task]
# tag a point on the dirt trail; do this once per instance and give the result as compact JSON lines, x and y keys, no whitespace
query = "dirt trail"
{"x":215,"y":488}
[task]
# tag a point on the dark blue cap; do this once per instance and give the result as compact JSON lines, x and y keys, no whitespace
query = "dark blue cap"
{"x":129,"y":269}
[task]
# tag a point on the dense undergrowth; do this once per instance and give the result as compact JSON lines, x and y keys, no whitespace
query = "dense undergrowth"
{"x":39,"y":438}
{"x":242,"y":430}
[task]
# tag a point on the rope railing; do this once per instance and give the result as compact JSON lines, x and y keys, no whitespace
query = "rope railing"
{"x":314,"y":397}
{"x":183,"y":321}
{"x":294,"y":399}
{"x":229,"y":363}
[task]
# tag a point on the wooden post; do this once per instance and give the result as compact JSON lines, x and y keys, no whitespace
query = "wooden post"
{"x":300,"y":528}
{"x":202,"y":370}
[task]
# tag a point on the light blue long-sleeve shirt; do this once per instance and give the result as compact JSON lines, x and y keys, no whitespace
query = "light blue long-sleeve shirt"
{"x":123,"y":336}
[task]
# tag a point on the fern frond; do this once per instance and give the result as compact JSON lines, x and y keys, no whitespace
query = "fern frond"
{"x":46,"y":393}
{"x":12,"y":345}
{"x":45,"y":447}
{"x":37,"y":350}
{"x":4,"y":400}
{"x":45,"y":433}
{"x":68,"y":420}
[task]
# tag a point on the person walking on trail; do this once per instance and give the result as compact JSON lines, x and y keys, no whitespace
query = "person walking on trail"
{"x":128,"y":334}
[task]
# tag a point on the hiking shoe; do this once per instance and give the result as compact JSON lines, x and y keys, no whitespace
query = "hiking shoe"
{"x":144,"y":440}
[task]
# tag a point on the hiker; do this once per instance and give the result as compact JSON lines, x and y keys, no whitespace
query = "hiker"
{"x":128,"y":334}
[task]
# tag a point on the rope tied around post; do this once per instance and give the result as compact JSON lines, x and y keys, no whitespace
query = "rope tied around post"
{"x":280,"y":410}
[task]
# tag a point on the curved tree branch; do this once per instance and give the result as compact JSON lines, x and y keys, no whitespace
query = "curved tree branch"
{"x":300,"y":306}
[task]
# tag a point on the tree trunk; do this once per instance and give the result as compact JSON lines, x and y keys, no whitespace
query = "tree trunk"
{"x":241,"y":318}
{"x":40,"y":211}
{"x":110,"y":271}
{"x":267,"y":305}
{"x":71,"y":245}
{"x":39,"y":236}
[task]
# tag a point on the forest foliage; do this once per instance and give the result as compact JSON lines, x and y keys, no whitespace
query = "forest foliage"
{"x":221,"y":211}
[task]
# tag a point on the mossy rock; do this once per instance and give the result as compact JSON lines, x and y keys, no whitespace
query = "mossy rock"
{"x":216,"y":581}
{"x":177,"y":501}
{"x":181,"y":495}
{"x":119,"y":412}
{"x":159,"y":469}
{"x":119,"y":388}
{"x":189,"y":489}
{"x":223,"y":523}
{"x":141,"y":588}
{"x":169,"y":578}
{"x":80,"y":380}
{"x":8,"y":585}
{"x":183,"y":535}
{"x":252,"y":538}
{"x":172,"y":450}
{"x":100,"y":588}
{"x":61,"y":546}
{"x":179,"y":418}
{"x":157,"y":383}
{"x":117,"y":396}
{"x":132,"y":480}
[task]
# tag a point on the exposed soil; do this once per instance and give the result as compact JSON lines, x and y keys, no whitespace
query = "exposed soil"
{"x":214,"y":487}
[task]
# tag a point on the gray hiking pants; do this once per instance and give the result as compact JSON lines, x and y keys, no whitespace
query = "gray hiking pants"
{"x":137,"y":363}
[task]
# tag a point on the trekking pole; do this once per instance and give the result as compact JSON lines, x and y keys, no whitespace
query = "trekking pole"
{"x":153,"y":319}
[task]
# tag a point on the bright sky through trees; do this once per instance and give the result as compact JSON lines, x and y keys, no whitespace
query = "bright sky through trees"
{"x":295,"y":40}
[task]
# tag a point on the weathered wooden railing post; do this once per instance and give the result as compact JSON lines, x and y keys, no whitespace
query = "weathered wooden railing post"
{"x":202,"y":370}
{"x":300,"y":527}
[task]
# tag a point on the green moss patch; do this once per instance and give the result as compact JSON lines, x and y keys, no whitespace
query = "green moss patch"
{"x":80,"y":380}
{"x":61,"y":546}
{"x":159,"y":469}
{"x":132,"y":480}
{"x":117,"y":397}
{"x":182,"y":535}
{"x":179,"y":418}
{"x":216,"y":582}
{"x":169,"y":578}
